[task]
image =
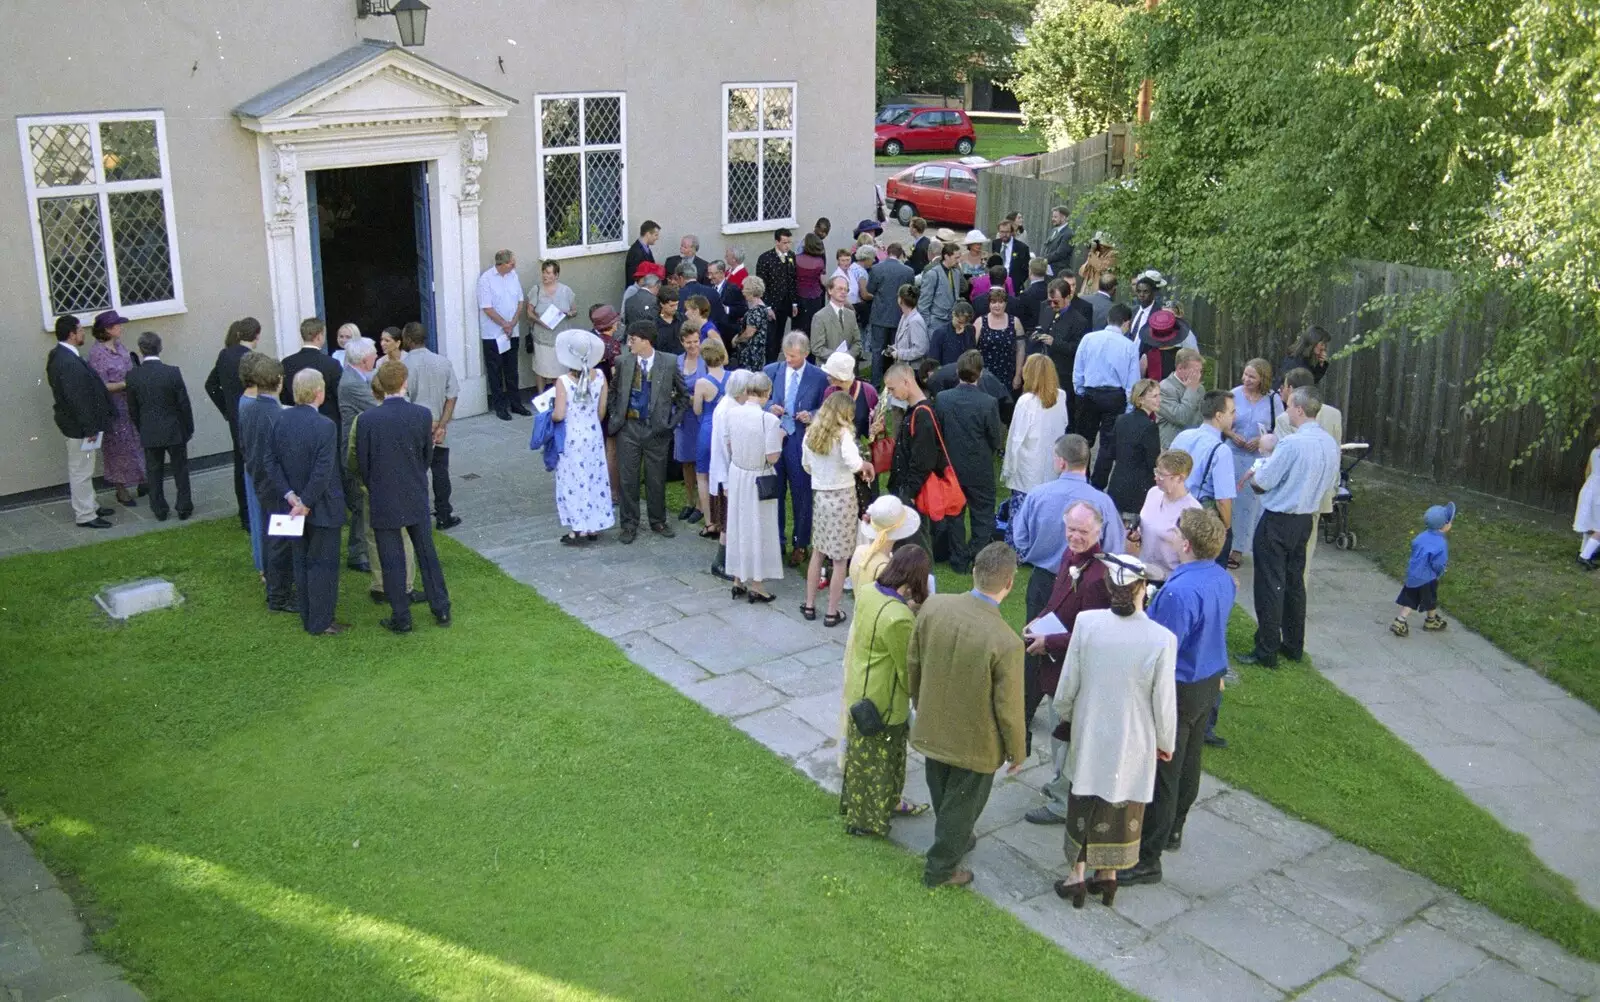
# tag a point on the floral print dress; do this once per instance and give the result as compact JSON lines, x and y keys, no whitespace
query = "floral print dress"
{"x":120,"y":450}
{"x":583,"y":482}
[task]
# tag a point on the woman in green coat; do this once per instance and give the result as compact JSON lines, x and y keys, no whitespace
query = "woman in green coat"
{"x":875,"y":669}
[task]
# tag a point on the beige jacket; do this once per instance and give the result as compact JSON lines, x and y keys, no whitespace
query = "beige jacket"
{"x":965,"y":669}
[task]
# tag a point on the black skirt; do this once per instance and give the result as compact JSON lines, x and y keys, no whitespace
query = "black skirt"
{"x":1423,"y":598}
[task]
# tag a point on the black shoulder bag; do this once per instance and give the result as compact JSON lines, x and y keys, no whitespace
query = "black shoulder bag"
{"x":864,"y":712}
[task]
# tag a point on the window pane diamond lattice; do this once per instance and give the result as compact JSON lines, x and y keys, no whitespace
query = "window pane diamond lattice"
{"x":559,"y":122}
{"x":563,"y":200}
{"x":75,"y":261}
{"x":777,"y":108}
{"x":139,"y":240}
{"x":744,"y":181}
{"x":603,"y":191}
{"x":128,"y":150}
{"x":777,"y":190}
{"x":602,"y":121}
{"x":742,"y":105}
{"x":61,"y":154}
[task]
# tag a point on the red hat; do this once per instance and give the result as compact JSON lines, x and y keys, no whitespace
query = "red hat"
{"x":1163,"y":321}
{"x":1164,"y":330}
{"x":649,"y":268}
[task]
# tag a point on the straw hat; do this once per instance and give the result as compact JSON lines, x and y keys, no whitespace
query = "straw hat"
{"x":579,"y":349}
{"x":975,"y":237}
{"x":946,"y":235}
{"x":841,"y":365}
{"x":889,"y":514}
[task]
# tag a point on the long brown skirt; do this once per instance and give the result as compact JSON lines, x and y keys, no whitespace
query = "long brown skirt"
{"x":874,"y":775}
{"x":718,"y":515}
{"x":1103,"y":834}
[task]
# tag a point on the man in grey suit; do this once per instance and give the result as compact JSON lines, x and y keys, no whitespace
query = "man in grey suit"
{"x":1058,"y":245}
{"x":1102,"y":299}
{"x":1181,"y":394}
{"x":648,"y":398}
{"x":833,"y":328}
{"x":883,"y":289}
{"x":938,"y":288}
{"x":355,"y":396}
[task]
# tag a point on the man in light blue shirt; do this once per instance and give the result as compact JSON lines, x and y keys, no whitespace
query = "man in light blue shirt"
{"x":1103,"y":373}
{"x":1213,"y":480}
{"x":1300,"y":469}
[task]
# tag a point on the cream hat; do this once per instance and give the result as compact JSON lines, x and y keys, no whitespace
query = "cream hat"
{"x":579,"y":349}
{"x":946,"y":235}
{"x":889,"y":514}
{"x":1122,"y":569}
{"x":974,"y":237}
{"x":841,"y":365}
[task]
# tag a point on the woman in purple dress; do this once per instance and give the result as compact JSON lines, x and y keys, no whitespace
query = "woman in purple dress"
{"x":120,"y":450}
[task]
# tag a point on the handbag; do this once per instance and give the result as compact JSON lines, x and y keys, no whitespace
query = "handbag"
{"x":864,"y":712}
{"x":941,"y":495}
{"x":768,"y":487}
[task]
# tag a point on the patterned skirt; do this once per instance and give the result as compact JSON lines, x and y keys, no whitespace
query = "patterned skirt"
{"x":1103,"y":834}
{"x":833,"y":523}
{"x":874,"y":775}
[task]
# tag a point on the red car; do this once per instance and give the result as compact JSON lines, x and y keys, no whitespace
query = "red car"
{"x":925,"y":130}
{"x":945,"y":190}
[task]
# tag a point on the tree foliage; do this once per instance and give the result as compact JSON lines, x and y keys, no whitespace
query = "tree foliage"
{"x":1073,"y":77}
{"x":931,"y":46}
{"x":1457,"y":134}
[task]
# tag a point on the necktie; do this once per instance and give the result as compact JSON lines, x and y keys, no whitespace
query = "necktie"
{"x":789,"y":390}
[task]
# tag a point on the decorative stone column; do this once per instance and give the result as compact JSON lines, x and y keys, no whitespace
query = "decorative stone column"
{"x":474,"y":152}
{"x":282,"y":247}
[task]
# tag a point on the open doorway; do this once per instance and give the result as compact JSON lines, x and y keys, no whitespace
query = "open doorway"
{"x":371,"y":247}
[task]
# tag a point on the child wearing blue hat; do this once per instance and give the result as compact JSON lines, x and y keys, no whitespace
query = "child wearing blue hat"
{"x":1430,"y":552}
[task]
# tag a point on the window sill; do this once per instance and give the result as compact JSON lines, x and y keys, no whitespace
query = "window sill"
{"x":144,"y":311}
{"x":584,"y":250}
{"x":759,"y":226}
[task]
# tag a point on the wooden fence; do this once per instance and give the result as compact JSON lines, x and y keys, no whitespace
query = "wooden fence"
{"x":1404,"y":397}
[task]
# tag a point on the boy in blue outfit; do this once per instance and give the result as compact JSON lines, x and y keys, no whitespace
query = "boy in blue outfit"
{"x":1430,"y":552}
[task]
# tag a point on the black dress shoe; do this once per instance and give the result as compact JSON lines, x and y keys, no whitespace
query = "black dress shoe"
{"x":1043,"y":816}
{"x":184,"y":516}
{"x":684,"y":514}
{"x":378,"y":597}
{"x":627,"y":536}
{"x":503,"y":414}
{"x":360,"y":566}
{"x":695,"y":516}
{"x":161,"y":516}
{"x":718,"y":571}
{"x":143,"y":490}
{"x":108,"y":512}
{"x":1215,"y":741}
{"x":1175,"y":840}
{"x":417,"y":597}
{"x":1255,"y":659}
{"x":287,"y":607}
{"x":1140,"y":873}
{"x":520,"y":409}
{"x":448,"y":522}
{"x":442,"y":620}
{"x":98,"y":523}
{"x":393,"y":627}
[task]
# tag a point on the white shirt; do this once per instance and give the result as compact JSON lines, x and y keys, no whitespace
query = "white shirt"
{"x":1141,"y":315}
{"x":70,"y":347}
{"x":504,"y":293}
{"x":1005,"y":253}
{"x":1031,"y":442}
{"x":836,"y":470}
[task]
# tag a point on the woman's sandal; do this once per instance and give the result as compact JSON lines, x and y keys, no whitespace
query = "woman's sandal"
{"x":909,"y":809}
{"x":710,"y":532}
{"x":739,"y":591}
{"x":1233,"y":562}
{"x":808,"y":612}
{"x":832,"y":618}
{"x":574,"y":539}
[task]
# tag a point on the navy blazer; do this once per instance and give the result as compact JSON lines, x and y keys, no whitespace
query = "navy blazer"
{"x":734,"y":306}
{"x":158,"y":404}
{"x":394,"y":445}
{"x":312,"y":357}
{"x":946,"y":346}
{"x":719,"y":313}
{"x":305,"y":458}
{"x":257,"y":420}
{"x":223,"y":385}
{"x":82,"y":403}
{"x":807,"y":396}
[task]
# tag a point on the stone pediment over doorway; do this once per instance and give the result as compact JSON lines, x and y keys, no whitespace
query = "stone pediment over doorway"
{"x":374,"y":84}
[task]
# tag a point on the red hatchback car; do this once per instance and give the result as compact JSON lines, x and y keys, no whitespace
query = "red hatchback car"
{"x":925,"y":130}
{"x":945,"y":190}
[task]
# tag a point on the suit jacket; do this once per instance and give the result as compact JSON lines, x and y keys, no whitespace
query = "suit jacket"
{"x":719,"y":313}
{"x":734,"y":306}
{"x":780,"y":279}
{"x":947,"y":346}
{"x":82,"y":402}
{"x":807,"y":396}
{"x":1066,"y":328}
{"x":1058,"y":251}
{"x":970,"y":420}
{"x":223,"y":385}
{"x":1067,"y":599}
{"x":884,"y":280}
{"x":355,"y":396}
{"x":394,"y":445}
{"x":831,"y":328}
{"x":638,"y":253}
{"x":700,"y":264}
{"x":257,"y":422}
{"x":1180,"y":408}
{"x":158,"y":404}
{"x":305,"y":459}
{"x":1140,"y":326}
{"x":1020,"y":256}
{"x":1100,"y":304}
{"x":945,"y":378}
{"x":312,"y":357}
{"x":668,"y":395}
{"x":936,"y":294}
{"x":964,"y":669}
{"x":1031,"y":305}
{"x":918,"y":258}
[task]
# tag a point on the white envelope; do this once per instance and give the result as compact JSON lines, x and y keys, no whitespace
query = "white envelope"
{"x":286,"y":525}
{"x":552,"y":316}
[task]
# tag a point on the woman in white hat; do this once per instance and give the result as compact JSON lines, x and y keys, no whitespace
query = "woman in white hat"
{"x":583,"y":481}
{"x":974,"y":259}
{"x":1119,"y":693}
{"x":833,"y":459}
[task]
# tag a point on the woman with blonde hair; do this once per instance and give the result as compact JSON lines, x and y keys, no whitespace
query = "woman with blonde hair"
{"x":1158,"y":519}
{"x":1137,"y":444}
{"x":705,"y":394}
{"x":1255,"y":410}
{"x":1039,"y":419}
{"x":829,"y":453}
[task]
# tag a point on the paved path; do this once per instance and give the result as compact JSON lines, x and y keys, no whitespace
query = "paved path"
{"x":1256,"y":906}
{"x":1517,"y":745}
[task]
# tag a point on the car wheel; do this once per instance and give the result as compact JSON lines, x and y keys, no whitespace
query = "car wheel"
{"x":893,"y":148}
{"x":903,"y":212}
{"x":964,"y":146}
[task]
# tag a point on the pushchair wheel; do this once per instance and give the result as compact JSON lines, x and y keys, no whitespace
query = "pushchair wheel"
{"x":1350,"y":539}
{"x":1342,"y":541}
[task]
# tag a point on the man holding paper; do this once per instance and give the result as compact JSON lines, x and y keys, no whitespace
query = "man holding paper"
{"x":1080,"y":585}
{"x":304,"y":456}
{"x":82,"y":412}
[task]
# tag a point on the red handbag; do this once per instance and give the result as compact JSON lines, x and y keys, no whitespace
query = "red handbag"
{"x":941,"y":496}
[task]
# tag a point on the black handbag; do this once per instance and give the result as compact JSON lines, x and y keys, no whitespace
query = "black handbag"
{"x":864,"y":712}
{"x":768,"y":487}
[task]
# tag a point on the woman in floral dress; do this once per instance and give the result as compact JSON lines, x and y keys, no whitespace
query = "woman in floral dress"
{"x":120,"y":450}
{"x":583,"y":483}
{"x":749,"y":348}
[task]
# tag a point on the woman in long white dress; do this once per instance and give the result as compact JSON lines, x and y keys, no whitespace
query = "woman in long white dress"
{"x":1040,"y":419}
{"x":1587,"y":518}
{"x":717,"y":476}
{"x":755,"y":440}
{"x":583,"y":481}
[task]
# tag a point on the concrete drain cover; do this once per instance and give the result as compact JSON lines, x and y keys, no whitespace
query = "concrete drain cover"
{"x":126,"y":600}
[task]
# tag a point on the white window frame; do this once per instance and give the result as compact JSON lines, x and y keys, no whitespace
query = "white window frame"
{"x":791,"y":134}
{"x":102,"y":189}
{"x":583,"y":249}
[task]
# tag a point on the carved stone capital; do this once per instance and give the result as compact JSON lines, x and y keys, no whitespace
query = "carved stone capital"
{"x":286,"y":171}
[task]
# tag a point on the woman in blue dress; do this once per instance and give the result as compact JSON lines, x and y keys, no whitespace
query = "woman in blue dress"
{"x":686,"y":438}
{"x":1256,"y":407}
{"x":705,"y":395}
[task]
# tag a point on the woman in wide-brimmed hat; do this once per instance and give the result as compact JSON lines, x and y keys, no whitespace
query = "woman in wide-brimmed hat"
{"x":583,"y":483}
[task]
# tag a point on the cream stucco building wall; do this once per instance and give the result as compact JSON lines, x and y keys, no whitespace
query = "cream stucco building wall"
{"x":196,"y":61}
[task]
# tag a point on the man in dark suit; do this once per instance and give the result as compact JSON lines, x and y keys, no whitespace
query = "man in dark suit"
{"x":224,"y":388}
{"x":1066,"y":319}
{"x":1101,"y":300}
{"x":355,"y":397}
{"x":956,"y":338}
{"x":394,"y":446}
{"x":1031,"y":300}
{"x":693,"y":287}
{"x":689,"y":250}
{"x":973,"y":436}
{"x":313,"y":355}
{"x":1147,"y":300}
{"x":884,"y":280}
{"x":945,"y":377}
{"x":731,"y":297}
{"x":642,"y":249}
{"x":82,"y":411}
{"x":648,"y":399}
{"x":797,"y":389}
{"x":1014,"y":254}
{"x":920,"y":243}
{"x":259,"y":410}
{"x":305,"y":458}
{"x":1058,"y":244}
{"x":158,"y":406}
{"x":776,"y":269}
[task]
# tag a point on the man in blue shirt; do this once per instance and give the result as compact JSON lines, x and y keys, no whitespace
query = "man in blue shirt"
{"x":1040,"y":535}
{"x":1103,"y":373}
{"x":1299,"y":470}
{"x":1212,"y":481}
{"x":1194,"y":604}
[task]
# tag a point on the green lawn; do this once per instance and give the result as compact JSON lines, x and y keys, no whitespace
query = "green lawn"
{"x":1512,"y":576}
{"x":504,"y":810}
{"x":995,"y":140}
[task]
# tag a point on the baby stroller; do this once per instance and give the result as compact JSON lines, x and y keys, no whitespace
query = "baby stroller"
{"x":1336,"y":526}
